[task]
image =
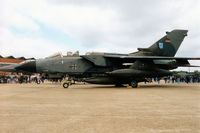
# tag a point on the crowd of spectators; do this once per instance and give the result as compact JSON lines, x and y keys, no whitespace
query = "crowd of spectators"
{"x":180,"y":79}
{"x":21,"y":78}
{"x":37,"y":78}
{"x":176,"y":79}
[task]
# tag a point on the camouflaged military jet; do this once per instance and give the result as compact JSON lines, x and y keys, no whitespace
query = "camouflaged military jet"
{"x":118,"y":69}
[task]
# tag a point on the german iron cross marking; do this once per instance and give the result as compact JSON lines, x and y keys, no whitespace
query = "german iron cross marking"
{"x":74,"y":66}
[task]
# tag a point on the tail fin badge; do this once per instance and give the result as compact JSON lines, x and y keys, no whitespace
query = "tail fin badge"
{"x":160,"y":45}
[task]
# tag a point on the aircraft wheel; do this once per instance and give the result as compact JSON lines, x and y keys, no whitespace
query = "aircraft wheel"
{"x":134,"y":84}
{"x":65,"y":85}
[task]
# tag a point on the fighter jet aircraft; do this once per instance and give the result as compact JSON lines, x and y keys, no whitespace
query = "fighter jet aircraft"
{"x":111,"y":68}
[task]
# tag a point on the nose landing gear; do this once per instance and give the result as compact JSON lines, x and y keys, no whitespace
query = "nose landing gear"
{"x":66,"y":84}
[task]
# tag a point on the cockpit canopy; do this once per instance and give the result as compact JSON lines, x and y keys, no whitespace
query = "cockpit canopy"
{"x":69,"y":54}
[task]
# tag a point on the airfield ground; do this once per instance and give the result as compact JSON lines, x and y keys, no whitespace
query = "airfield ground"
{"x":48,"y":108}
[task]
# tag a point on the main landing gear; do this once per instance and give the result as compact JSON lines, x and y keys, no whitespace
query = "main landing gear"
{"x":134,"y":84}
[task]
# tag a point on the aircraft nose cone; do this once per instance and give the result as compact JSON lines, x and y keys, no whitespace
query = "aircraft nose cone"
{"x":9,"y":68}
{"x":28,"y":66}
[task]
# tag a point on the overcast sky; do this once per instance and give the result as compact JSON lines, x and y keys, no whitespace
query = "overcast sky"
{"x":39,"y":28}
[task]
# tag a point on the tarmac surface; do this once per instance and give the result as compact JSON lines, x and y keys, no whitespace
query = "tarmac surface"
{"x":48,"y":108}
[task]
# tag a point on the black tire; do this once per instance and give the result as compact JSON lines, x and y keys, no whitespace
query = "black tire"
{"x":65,"y":85}
{"x":134,"y":84}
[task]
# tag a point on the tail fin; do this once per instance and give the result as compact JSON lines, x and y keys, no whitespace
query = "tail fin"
{"x":169,"y":44}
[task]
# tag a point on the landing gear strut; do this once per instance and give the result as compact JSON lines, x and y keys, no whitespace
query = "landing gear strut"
{"x":134,"y":84}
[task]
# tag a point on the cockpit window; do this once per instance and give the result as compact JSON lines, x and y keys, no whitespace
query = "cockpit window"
{"x":55,"y":55}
